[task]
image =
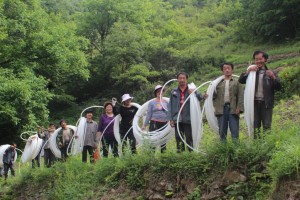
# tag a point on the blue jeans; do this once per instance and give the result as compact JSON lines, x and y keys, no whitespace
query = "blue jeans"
{"x":228,"y":119}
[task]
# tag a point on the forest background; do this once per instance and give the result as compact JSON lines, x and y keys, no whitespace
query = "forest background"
{"x":60,"y":56}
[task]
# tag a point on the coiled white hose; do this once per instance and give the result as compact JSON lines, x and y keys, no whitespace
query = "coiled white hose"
{"x":32,"y":148}
{"x":192,"y":109}
{"x":52,"y":141}
{"x":2,"y":151}
{"x":155,"y":138}
{"x":161,"y":91}
{"x":118,"y":119}
{"x":208,"y":104}
{"x":78,"y":142}
{"x":249,"y":101}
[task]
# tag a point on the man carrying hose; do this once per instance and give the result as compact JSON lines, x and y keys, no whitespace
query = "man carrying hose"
{"x":63,"y":139}
{"x":9,"y":160}
{"x":90,"y":138}
{"x":228,"y":100}
{"x":177,"y":98}
{"x":266,"y":83}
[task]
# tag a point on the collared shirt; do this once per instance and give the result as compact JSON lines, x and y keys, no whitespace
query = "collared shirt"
{"x":66,"y":135}
{"x":259,"y":94}
{"x":226,"y":94}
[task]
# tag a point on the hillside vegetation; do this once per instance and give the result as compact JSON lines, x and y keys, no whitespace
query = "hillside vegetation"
{"x":253,"y":169}
{"x":58,"y":57}
{"x":61,"y":56}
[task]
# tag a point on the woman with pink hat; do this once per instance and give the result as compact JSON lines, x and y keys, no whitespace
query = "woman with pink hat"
{"x":127,"y":112}
{"x":156,"y":114}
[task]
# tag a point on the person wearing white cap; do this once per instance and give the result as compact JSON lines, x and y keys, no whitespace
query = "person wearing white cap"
{"x":156,"y":114}
{"x":127,"y":112}
{"x":177,"y":98}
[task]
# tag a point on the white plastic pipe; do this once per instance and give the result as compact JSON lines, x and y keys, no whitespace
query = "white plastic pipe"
{"x":118,"y":119}
{"x":161,"y":91}
{"x":155,"y":138}
{"x":192,"y":110}
{"x":249,"y":101}
{"x":78,"y":142}
{"x":2,"y":151}
{"x":52,"y":141}
{"x":209,"y":107}
{"x":32,"y":148}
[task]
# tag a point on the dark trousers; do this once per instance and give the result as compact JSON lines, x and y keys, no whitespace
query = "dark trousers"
{"x":49,"y":157}
{"x":85,"y":150}
{"x":231,"y":120}
{"x":7,"y":167}
{"x":130,"y":137}
{"x":64,"y":153}
{"x":154,"y":125}
{"x":112,"y":142}
{"x":37,"y":159}
{"x":262,"y":116}
{"x":185,"y":130}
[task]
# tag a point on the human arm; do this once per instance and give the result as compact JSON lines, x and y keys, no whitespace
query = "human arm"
{"x":240,"y":99}
{"x":276,"y":81}
{"x":149,"y":115}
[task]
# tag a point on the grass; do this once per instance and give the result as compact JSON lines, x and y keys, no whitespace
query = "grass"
{"x":264,"y":162}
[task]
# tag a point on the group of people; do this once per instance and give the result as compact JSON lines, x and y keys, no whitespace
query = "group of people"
{"x":228,"y":102}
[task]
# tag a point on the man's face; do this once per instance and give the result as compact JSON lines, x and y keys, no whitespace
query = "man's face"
{"x":51,"y":128}
{"x":89,"y":116}
{"x":63,"y":124}
{"x":260,"y":61}
{"x":182,"y":80}
{"x":227,"y":70}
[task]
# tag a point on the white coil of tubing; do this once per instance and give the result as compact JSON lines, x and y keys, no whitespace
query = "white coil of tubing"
{"x":197,"y":115}
{"x":196,"y":118}
{"x":209,"y":107}
{"x":32,"y":148}
{"x":155,"y":138}
{"x":118,"y":119}
{"x":52,"y":141}
{"x":2,"y":150}
{"x":249,"y":101}
{"x":80,"y":133}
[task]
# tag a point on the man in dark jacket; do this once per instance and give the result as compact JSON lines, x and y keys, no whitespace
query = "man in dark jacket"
{"x":267,"y":81}
{"x":9,"y":160}
{"x":177,"y":98}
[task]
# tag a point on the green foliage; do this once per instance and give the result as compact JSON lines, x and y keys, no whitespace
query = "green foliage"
{"x":289,"y":79}
{"x":23,"y":101}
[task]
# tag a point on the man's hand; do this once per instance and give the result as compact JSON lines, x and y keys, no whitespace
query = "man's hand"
{"x":237,"y":111}
{"x":172,"y":124}
{"x":114,"y":101}
{"x":205,"y":96}
{"x":99,"y":134}
{"x":271,"y":74}
{"x":190,"y":91}
{"x":252,"y":68}
{"x":143,"y":128}
{"x":76,"y":136}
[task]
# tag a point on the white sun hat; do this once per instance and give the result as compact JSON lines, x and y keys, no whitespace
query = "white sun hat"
{"x":126,"y":97}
